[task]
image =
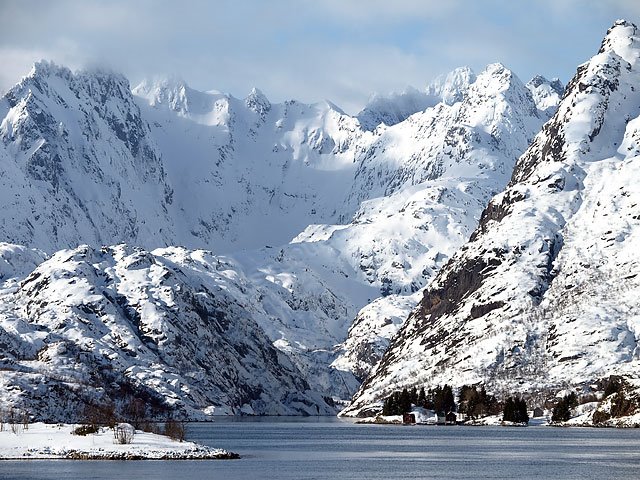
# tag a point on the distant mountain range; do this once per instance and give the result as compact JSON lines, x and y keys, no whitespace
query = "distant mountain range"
{"x":210,"y":254}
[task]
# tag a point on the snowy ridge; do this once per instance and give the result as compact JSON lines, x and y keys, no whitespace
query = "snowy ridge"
{"x":398,"y":106}
{"x":542,"y":297}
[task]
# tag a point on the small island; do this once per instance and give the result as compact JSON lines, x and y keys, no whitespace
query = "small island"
{"x":119,"y":442}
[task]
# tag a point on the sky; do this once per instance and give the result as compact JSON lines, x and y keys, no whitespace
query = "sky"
{"x":338,"y":50}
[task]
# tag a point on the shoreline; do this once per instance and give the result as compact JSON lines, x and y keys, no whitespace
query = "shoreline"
{"x":43,"y":441}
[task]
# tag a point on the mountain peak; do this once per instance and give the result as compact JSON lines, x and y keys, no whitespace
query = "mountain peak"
{"x":452,"y":86}
{"x":546,"y":93}
{"x":257,"y":101}
{"x":539,"y":80}
{"x":47,"y":68}
{"x":94,"y":80}
{"x":497,"y":79}
{"x":622,"y":39}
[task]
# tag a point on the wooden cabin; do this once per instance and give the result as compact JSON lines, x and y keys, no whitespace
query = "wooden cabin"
{"x":409,"y":419}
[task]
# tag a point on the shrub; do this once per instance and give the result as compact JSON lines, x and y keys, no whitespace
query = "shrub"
{"x":613,"y":385}
{"x":599,"y":417}
{"x":150,"y":427}
{"x":621,"y":406}
{"x":84,"y":430}
{"x":123,"y":433}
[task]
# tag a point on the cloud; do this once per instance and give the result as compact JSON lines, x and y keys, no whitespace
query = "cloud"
{"x":385,"y":12}
{"x":310,"y":50}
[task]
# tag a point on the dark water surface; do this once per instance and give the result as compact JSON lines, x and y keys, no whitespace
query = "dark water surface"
{"x":285,"y":448}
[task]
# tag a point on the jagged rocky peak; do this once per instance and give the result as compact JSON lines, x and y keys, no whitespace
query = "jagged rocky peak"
{"x":598,"y":102}
{"x":452,"y":86}
{"x":500,"y":102}
{"x":622,"y":38}
{"x":47,"y":79}
{"x":49,"y":89}
{"x":58,"y":177}
{"x":44,"y":69}
{"x":396,"y":107}
{"x":539,"y":81}
{"x":258,"y":102}
{"x":497,"y":79}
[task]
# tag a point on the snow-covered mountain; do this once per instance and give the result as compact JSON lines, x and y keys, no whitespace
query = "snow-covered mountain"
{"x":544,"y":296}
{"x":323,"y":218}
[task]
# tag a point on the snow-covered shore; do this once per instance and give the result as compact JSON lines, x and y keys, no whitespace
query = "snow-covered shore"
{"x":583,"y":418}
{"x":55,"y":441}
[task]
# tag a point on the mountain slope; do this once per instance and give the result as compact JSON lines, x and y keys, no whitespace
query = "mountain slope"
{"x":543,"y":295}
{"x":248,"y":173}
{"x":172,"y":327}
{"x":432,"y":175}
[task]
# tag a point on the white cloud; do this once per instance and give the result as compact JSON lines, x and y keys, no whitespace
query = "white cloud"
{"x":385,"y":11}
{"x":335,"y":49}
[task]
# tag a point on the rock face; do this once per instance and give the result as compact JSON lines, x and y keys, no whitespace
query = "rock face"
{"x":79,"y":163}
{"x":544,"y":294}
{"x":320,"y":214}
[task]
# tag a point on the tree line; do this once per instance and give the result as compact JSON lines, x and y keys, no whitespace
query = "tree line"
{"x":473,"y":403}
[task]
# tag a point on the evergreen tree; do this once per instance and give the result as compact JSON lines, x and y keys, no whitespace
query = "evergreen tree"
{"x":522,"y":416}
{"x":387,"y":406}
{"x":562,"y":411}
{"x":515,"y":410}
{"x":443,"y":399}
{"x":414,"y":395}
{"x":404,"y":404}
{"x":475,"y":403}
{"x":508,"y":413}
{"x":422,"y":398}
{"x":466,"y":400}
{"x":449,"y":399}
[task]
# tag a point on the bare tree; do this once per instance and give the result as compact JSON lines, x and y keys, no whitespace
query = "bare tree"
{"x":175,"y":430}
{"x":14,"y":421}
{"x":25,"y":419}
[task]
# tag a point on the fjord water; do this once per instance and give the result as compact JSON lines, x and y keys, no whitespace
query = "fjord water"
{"x":293,"y":448}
